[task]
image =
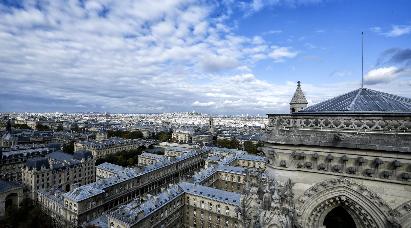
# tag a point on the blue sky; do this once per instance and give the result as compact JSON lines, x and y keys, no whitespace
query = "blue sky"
{"x":220,"y":57}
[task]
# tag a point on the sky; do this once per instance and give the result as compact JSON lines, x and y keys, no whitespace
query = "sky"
{"x":210,"y":56}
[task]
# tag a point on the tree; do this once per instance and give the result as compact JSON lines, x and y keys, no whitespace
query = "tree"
{"x":163,"y":136}
{"x":229,"y":143}
{"x":27,"y":215}
{"x":125,"y":134}
{"x":123,"y":158}
{"x":69,"y":147}
{"x":60,"y":128}
{"x":135,"y":135}
{"x":41,"y":127}
{"x":74,"y":127}
{"x":21,"y":126}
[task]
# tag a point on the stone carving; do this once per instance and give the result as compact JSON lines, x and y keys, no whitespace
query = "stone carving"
{"x":267,"y":203}
{"x":358,"y":200}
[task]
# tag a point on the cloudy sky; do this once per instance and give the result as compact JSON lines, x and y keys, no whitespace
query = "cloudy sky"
{"x":219,"y":57}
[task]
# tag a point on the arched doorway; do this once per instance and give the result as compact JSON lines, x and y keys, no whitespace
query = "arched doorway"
{"x":339,"y":218}
{"x":11,"y":201}
{"x":331,"y":200}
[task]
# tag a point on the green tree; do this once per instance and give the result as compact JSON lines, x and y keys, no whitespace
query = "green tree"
{"x":163,"y":136}
{"x":125,"y":134}
{"x":74,"y":127}
{"x":69,"y":147}
{"x":42,"y":127}
{"x":123,"y":158}
{"x":135,"y":135}
{"x":229,"y":143}
{"x":60,"y":128}
{"x":21,"y":126}
{"x":27,"y":215}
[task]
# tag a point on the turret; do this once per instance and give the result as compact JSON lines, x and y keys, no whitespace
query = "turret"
{"x":298,"y":102}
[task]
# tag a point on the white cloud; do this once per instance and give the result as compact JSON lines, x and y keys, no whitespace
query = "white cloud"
{"x":253,"y":6}
{"x":381,"y":75}
{"x":281,"y":53}
{"x":399,"y":30}
{"x":203,"y":104}
{"x":140,"y":56}
{"x":124,"y":56}
{"x":395,"y":31}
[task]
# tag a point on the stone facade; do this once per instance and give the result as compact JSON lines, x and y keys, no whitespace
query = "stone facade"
{"x":105,"y":147}
{"x":11,"y":195}
{"x":87,"y":202}
{"x":58,"y":170}
{"x":13,"y":161}
{"x":347,"y":159}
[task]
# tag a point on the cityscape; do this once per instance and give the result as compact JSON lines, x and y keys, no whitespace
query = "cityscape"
{"x":186,"y":113}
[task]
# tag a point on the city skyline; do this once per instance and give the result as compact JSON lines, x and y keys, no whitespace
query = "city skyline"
{"x":217,"y":57}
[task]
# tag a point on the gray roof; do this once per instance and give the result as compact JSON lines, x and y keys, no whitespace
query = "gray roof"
{"x":60,"y":156}
{"x":211,"y":193}
{"x":362,"y":101}
{"x":37,"y":163}
{"x":6,"y":186}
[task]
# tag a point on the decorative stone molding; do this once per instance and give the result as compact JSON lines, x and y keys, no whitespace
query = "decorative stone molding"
{"x":403,"y":214}
{"x":367,"y":208}
{"x":393,"y":124}
{"x":386,"y":133}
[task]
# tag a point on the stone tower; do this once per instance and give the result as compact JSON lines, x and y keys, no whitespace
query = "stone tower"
{"x":298,"y":102}
{"x":211,"y":125}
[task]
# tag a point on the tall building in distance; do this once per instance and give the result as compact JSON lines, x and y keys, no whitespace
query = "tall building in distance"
{"x":211,"y":128}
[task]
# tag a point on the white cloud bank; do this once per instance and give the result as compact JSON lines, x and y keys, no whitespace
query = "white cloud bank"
{"x":137,"y":56}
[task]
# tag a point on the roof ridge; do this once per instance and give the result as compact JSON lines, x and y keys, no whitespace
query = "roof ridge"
{"x":350,"y":107}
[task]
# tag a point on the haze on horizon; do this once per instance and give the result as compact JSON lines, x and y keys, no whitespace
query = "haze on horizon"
{"x":218,"y":57}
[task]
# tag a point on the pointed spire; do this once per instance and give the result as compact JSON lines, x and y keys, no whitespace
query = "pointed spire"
{"x":298,"y":102}
{"x":299,"y":97}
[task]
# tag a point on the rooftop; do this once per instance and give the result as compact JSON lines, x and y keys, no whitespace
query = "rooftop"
{"x":135,"y":211}
{"x":211,"y":193}
{"x":6,"y":186}
{"x":362,"y":100}
{"x":250,"y":157}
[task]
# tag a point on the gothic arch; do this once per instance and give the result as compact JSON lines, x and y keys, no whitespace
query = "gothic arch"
{"x":365,"y":207}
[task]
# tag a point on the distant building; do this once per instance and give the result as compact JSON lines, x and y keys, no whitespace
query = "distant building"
{"x":149,"y":159}
{"x":8,"y":140}
{"x":182,"y":136}
{"x":12,"y":160}
{"x":103,"y":148}
{"x":117,"y":186}
{"x":211,"y":127}
{"x":202,"y":140}
{"x":181,"y":205}
{"x":101,"y":135}
{"x":58,"y":170}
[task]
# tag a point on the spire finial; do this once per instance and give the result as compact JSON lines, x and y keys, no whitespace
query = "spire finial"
{"x":362,"y":60}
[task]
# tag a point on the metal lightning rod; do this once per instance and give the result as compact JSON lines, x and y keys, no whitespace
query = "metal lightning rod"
{"x":362,"y":60}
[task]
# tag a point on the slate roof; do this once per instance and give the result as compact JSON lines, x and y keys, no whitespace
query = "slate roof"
{"x":299,"y":97}
{"x":362,"y":100}
{"x":6,"y":186}
{"x":37,"y":163}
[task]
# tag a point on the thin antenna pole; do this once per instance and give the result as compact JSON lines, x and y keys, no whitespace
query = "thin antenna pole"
{"x":362,"y":60}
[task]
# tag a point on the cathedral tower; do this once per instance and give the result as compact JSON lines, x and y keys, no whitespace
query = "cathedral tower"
{"x":298,"y":102}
